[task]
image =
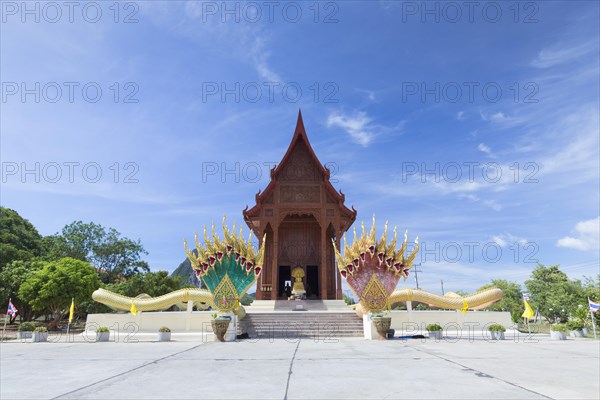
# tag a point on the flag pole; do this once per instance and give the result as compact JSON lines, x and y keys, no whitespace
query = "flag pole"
{"x":6,"y":317}
{"x":593,"y":322}
{"x":70,"y":316}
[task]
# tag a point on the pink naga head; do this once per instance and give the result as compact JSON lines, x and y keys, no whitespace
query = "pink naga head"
{"x":373,"y":268}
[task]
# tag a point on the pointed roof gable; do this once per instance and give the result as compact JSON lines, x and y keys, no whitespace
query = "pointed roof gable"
{"x":298,"y":143}
{"x":299,"y":136}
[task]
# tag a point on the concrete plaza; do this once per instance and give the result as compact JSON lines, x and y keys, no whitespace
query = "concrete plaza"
{"x":348,"y":368}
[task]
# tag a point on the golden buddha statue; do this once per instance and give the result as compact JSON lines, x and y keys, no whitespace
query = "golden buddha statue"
{"x":298,"y":275}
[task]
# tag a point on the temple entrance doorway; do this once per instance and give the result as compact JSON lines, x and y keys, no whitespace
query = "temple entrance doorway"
{"x":285,"y":275}
{"x":312,"y":282}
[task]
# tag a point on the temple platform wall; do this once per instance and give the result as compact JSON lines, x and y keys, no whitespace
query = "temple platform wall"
{"x":405,"y":322}
{"x":151,"y":321}
{"x":451,"y":320}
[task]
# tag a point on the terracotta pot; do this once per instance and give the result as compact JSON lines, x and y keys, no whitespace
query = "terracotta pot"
{"x":220,"y":327}
{"x":382,"y":325}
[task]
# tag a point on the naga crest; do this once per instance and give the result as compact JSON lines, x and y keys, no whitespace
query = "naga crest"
{"x":229,"y":267}
{"x":373,"y":268}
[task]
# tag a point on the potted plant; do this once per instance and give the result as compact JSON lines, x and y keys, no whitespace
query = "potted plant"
{"x":497,"y":331}
{"x":220,"y":324}
{"x":102,"y":334}
{"x":40,"y":334}
{"x":558,"y":332}
{"x":164,"y":334}
{"x":382,"y":324}
{"x":575,"y":328}
{"x":435,"y":331}
{"x":26,"y":330}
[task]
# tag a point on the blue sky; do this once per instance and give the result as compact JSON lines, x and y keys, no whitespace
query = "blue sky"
{"x":509,"y":94}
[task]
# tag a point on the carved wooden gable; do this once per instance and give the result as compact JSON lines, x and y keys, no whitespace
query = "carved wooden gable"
{"x":300,"y":167}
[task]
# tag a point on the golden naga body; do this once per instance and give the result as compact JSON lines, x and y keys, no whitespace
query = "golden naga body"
{"x":228,"y":267}
{"x":371,"y":268}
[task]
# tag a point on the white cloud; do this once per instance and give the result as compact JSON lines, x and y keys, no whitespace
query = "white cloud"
{"x":499,"y":241}
{"x":370,"y":94}
{"x":357,"y":126}
{"x":460,"y":115}
{"x":360,"y":126}
{"x":493,"y":204}
{"x":484,"y":149}
{"x":562,"y":53}
{"x":495,"y":117}
{"x":260,"y":56}
{"x":588,"y":236}
{"x":222,"y":34}
{"x":505,"y":239}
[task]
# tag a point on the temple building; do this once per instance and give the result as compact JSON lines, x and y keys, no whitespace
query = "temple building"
{"x":300,"y":212}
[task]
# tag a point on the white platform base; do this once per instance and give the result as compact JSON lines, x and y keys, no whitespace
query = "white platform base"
{"x":231,"y":334}
{"x":369,"y":328}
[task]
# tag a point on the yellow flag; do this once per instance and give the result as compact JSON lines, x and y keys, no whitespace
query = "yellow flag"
{"x":528,"y":313}
{"x":72,"y":310}
{"x":133,"y":310}
{"x":465,"y":307}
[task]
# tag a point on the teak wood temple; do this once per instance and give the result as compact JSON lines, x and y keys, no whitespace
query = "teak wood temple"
{"x":301,"y":219}
{"x":300,"y":212}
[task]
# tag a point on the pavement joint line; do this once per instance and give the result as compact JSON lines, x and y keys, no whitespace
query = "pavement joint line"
{"x":287,"y":385}
{"x":480,"y":373}
{"x":126,"y":372}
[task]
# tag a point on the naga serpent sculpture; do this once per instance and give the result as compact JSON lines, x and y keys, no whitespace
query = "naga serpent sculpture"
{"x":120,"y":302}
{"x":371,"y":268}
{"x":228,"y":268}
{"x":452,"y":301}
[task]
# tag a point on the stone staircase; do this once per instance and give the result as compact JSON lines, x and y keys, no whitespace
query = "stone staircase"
{"x":320,"y":320}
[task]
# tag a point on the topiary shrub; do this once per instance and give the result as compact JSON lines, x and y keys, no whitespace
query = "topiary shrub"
{"x":434,"y":327}
{"x":574,"y":325}
{"x":496,"y":328}
{"x":26,"y":327}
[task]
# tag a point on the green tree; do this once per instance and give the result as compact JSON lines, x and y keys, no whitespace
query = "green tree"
{"x":52,"y":287}
{"x":462,"y":293}
{"x":348,"y":299}
{"x":151,"y":283}
{"x":76,"y":240}
{"x":512,"y":300}
{"x":552,"y":293}
{"x":12,"y":277}
{"x":591,"y":290}
{"x":19,"y":240}
{"x":115,"y":257}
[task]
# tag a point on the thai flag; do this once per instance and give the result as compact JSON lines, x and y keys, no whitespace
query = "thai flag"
{"x":594,"y":306}
{"x":12,"y":310}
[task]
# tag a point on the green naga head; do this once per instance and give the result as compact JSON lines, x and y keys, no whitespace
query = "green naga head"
{"x":229,"y":267}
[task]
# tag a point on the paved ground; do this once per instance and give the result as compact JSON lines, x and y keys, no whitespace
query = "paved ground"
{"x":279,"y":369}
